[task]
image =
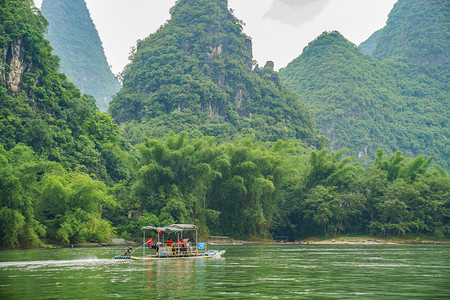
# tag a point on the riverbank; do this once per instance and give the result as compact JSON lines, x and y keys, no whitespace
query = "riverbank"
{"x":357,"y":240}
{"x":373,"y":240}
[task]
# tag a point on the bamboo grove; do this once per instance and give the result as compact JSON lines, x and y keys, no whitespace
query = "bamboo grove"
{"x":245,"y":189}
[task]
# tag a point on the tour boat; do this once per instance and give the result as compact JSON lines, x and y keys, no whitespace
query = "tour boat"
{"x":169,"y":249}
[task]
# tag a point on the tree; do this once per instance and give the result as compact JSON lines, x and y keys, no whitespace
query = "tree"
{"x":319,"y":206}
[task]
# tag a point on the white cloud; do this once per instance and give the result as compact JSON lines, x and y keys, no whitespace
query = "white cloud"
{"x":295,"y":12}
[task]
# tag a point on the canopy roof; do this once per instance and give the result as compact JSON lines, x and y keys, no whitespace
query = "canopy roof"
{"x":171,"y":228}
{"x":185,"y":226}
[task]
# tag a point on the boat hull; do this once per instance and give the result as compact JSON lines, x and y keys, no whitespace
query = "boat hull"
{"x":201,"y":255}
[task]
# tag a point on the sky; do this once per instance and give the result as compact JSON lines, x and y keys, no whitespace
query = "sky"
{"x":280,"y":29}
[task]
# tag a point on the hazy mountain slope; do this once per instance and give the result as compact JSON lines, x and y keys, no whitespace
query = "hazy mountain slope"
{"x":368,"y":46}
{"x":74,"y":38}
{"x":195,"y":73}
{"x":364,"y":104}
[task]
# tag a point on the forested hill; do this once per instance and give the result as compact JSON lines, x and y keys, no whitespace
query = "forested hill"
{"x":363,"y":103}
{"x":58,"y":153}
{"x":40,"y":107}
{"x":196,"y":74}
{"x":74,"y":38}
{"x":417,"y":31}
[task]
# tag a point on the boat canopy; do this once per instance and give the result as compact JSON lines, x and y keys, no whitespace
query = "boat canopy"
{"x":171,"y":228}
{"x":185,"y":226}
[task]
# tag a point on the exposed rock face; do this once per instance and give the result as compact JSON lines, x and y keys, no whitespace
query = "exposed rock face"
{"x":15,"y":66}
{"x":269,"y":64}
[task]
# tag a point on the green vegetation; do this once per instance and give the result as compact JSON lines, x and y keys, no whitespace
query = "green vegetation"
{"x":417,"y":31}
{"x":195,"y":74}
{"x":51,"y":138}
{"x":399,"y":103}
{"x":67,"y":175}
{"x":42,"y":201}
{"x":254,"y":190}
{"x":75,"y":40}
{"x":397,"y":100}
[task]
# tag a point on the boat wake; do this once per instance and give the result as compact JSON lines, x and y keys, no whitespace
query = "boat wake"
{"x":56,"y":263}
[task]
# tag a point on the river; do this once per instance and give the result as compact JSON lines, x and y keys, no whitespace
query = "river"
{"x":245,"y":272}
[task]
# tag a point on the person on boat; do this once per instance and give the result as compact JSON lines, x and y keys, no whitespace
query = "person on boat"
{"x":128,"y":251}
{"x":177,"y":247}
{"x":185,"y":246}
{"x":150,"y":243}
{"x":169,"y":242}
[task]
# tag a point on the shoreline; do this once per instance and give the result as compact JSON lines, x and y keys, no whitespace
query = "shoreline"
{"x":308,"y":241}
{"x":372,"y":241}
{"x":362,"y":240}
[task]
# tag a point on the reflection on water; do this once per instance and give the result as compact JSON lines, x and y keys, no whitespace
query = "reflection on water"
{"x":256,"y":271}
{"x":175,"y":278}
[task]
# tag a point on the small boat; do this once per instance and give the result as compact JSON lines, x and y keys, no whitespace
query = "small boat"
{"x":206,"y":254}
{"x":169,"y":249}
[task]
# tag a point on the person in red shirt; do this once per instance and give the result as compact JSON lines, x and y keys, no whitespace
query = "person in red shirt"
{"x":150,"y":243}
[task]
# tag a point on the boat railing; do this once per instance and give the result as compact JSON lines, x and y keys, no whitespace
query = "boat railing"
{"x":171,"y":249}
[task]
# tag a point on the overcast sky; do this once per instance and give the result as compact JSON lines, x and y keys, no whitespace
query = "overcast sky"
{"x":280,"y":29}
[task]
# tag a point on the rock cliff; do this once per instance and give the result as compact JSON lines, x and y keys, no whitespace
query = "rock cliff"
{"x":14,"y":65}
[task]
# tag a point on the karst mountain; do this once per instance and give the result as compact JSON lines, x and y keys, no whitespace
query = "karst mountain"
{"x":75,"y":40}
{"x":197,"y":74}
{"x":397,"y":99}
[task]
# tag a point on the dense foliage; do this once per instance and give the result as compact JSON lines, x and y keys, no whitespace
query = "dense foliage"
{"x":75,"y":40}
{"x":67,"y":176}
{"x":395,"y":196}
{"x":61,"y":129}
{"x":363,"y":104}
{"x":249,"y":189}
{"x":195,"y":74}
{"x":417,"y":31}
{"x":40,"y":201}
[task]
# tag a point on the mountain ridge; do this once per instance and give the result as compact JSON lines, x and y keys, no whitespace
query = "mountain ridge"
{"x":364,"y":104}
{"x":74,"y":38}
{"x":198,"y":68}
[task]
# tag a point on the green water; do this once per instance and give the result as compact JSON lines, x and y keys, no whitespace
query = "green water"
{"x":245,"y":272}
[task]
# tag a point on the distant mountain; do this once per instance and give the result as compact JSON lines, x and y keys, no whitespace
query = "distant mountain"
{"x":196,"y":73}
{"x":368,"y":46}
{"x":74,"y":38}
{"x":364,"y":104}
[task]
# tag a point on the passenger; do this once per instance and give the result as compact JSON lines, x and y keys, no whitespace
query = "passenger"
{"x":169,"y":242}
{"x":150,"y":243}
{"x":184,"y":247}
{"x":128,"y":251}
